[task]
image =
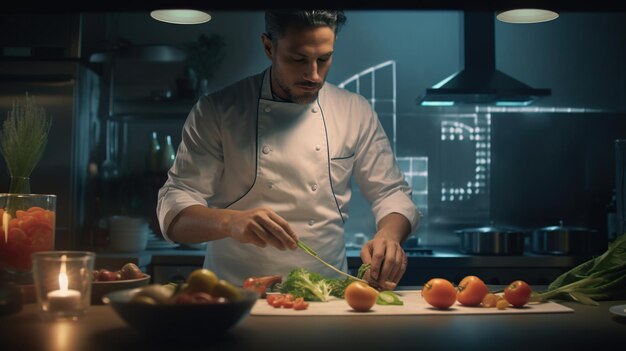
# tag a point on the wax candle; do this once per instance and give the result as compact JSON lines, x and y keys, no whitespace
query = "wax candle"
{"x":63,"y":299}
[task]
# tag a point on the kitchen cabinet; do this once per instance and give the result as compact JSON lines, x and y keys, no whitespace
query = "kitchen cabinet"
{"x":140,"y":104}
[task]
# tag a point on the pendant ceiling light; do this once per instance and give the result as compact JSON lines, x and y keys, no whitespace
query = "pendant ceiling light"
{"x":526,"y":16}
{"x":181,"y":16}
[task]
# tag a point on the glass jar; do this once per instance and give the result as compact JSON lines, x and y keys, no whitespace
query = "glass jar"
{"x":27,"y":225}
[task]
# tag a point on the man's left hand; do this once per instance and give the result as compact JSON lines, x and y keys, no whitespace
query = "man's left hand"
{"x":388,"y":261}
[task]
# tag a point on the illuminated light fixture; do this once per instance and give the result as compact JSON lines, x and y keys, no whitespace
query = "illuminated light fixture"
{"x":437,"y":103}
{"x":514,"y":103}
{"x":181,"y":16}
{"x":527,"y":16}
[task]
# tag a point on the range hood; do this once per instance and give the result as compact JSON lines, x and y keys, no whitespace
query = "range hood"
{"x":480,"y":82}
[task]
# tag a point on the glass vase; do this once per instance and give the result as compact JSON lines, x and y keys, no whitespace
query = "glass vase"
{"x":19,"y":185}
{"x":27,"y":225}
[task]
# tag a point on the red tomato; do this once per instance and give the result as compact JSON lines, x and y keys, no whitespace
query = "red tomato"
{"x":360,"y":296}
{"x":275,"y":300}
{"x":287,"y":302}
{"x":439,"y":293}
{"x":300,"y":304}
{"x":518,"y":293}
{"x":471,"y":291}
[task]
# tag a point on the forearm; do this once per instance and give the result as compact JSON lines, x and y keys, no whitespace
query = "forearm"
{"x":394,"y":226}
{"x":198,"y":224}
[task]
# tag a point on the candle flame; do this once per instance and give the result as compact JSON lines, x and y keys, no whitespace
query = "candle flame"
{"x":63,"y":283}
{"x":6,"y":217}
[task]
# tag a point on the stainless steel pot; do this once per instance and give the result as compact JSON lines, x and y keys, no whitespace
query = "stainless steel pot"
{"x":563,"y":240}
{"x":492,"y":240}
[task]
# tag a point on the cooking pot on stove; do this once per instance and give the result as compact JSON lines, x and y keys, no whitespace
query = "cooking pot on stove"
{"x":563,"y":240}
{"x":492,"y":240}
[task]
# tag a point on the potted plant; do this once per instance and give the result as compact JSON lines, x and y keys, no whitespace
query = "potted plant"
{"x":204,"y":55}
{"x":27,"y":221}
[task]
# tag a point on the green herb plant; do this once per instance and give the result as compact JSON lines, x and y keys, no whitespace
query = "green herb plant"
{"x":23,"y":139}
{"x":204,"y":57}
{"x":598,"y":279}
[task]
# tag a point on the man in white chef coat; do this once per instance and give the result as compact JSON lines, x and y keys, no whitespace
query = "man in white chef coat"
{"x":268,"y":160}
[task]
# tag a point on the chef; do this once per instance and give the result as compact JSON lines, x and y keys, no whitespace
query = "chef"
{"x":268,"y":161}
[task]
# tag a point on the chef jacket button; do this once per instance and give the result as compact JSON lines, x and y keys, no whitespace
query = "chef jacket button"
{"x":266,"y":149}
{"x":314,"y":110}
{"x":314,"y":187}
{"x":267,"y":109}
{"x":311,"y":222}
{"x":318,"y":148}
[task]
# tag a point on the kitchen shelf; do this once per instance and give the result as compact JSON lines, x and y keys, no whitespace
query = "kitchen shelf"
{"x":150,"y":109}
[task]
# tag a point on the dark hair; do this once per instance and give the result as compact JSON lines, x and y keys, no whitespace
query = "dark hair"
{"x":277,"y":21}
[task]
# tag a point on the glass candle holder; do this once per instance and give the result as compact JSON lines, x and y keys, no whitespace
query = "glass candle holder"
{"x":27,"y":225}
{"x":63,"y":283}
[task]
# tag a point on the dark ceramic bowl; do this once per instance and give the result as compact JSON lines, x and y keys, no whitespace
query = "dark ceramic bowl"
{"x":170,"y":320}
{"x":101,"y":288}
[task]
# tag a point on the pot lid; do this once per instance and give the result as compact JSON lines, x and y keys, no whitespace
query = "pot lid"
{"x":490,"y":229}
{"x":563,"y":228}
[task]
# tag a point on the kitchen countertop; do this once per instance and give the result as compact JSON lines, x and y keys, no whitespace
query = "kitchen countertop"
{"x":588,"y":327}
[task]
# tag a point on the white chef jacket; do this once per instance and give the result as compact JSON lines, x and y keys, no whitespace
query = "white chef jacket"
{"x":240,"y":149}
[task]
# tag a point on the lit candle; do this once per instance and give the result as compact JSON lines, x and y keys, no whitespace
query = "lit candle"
{"x":63,"y":299}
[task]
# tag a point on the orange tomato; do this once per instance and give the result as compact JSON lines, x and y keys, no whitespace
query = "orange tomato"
{"x":490,"y":300}
{"x":517,"y":293}
{"x":360,"y":296}
{"x":439,"y":293}
{"x":28,"y":232}
{"x":471,"y":291}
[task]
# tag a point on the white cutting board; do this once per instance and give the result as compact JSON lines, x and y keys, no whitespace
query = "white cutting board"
{"x":414,"y":304}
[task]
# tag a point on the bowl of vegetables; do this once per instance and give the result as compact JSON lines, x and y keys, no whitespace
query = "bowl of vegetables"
{"x":202,"y":304}
{"x":105,"y":281}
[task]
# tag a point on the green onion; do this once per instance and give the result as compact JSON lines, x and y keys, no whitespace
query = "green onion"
{"x":314,"y":254}
{"x":601,"y":278}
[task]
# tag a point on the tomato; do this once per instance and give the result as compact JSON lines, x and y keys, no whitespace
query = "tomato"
{"x":283,"y":300}
{"x":490,"y":300}
{"x":471,"y":291}
{"x":502,"y":304}
{"x":28,"y":232}
{"x":439,"y":293}
{"x":360,"y":296}
{"x":276,"y":300}
{"x":518,"y":293}
{"x":201,"y":280}
{"x":226,"y":290}
{"x":288,"y":301}
{"x":271,"y":298}
{"x":299,"y":304}
{"x":105,"y":275}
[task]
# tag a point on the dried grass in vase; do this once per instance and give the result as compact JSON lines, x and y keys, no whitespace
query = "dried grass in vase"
{"x":23,"y":139}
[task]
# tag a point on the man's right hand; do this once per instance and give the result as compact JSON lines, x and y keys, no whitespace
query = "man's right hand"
{"x":261,"y":227}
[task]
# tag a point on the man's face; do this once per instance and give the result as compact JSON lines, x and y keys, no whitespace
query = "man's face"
{"x":300,"y":62}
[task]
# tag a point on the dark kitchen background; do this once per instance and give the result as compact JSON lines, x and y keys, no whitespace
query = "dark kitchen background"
{"x":119,"y":79}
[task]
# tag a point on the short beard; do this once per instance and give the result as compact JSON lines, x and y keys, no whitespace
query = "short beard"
{"x":302,"y":99}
